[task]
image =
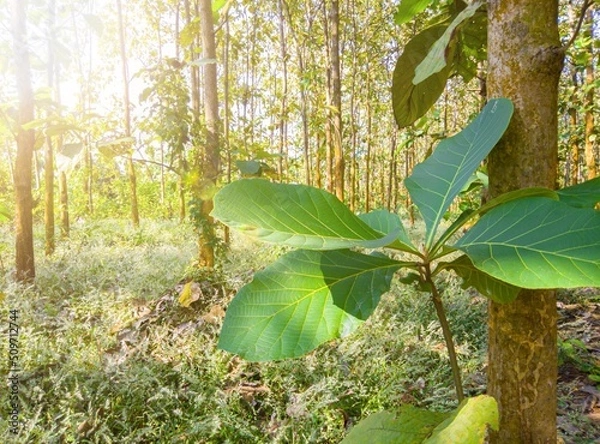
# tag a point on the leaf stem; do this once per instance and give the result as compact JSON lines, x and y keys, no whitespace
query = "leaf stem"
{"x":441,"y":314}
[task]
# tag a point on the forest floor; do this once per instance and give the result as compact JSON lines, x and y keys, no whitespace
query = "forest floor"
{"x":109,"y":354}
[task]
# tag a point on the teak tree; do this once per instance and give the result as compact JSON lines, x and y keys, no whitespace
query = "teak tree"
{"x":525,"y":61}
{"x":532,"y":238}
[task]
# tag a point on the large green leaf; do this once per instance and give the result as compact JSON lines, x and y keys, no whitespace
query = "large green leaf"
{"x":302,"y":300}
{"x":487,"y":285}
{"x":435,"y":183}
{"x":537,"y":242}
{"x":583,"y":195}
{"x":468,"y":423}
{"x":407,"y":9}
{"x":412,"y":101}
{"x":386,"y":222}
{"x":295,"y":215}
{"x":436,"y":60}
{"x":408,"y":425}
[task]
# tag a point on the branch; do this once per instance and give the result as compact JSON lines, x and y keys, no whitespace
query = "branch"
{"x":586,"y":5}
{"x":169,"y":167}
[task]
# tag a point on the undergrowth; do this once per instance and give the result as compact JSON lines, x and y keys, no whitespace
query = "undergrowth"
{"x":108,"y":355}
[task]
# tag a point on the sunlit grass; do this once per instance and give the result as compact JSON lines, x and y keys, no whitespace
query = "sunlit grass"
{"x":103,"y":364}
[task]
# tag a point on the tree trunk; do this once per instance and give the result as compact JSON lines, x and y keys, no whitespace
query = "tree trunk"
{"x":525,"y":60}
{"x":336,"y":100}
{"x":590,"y":156}
{"x":24,"y":255}
{"x":284,"y":106}
{"x":65,"y":225}
{"x":135,"y":218}
{"x":210,"y":161}
{"x":49,"y":155}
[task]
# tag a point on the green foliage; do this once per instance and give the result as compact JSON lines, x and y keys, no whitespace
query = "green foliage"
{"x":108,"y":356}
{"x":304,"y":299}
{"x":4,"y":213}
{"x":407,"y":9}
{"x":409,"y":425}
{"x":527,"y":239}
{"x":435,"y":60}
{"x":537,"y":243}
{"x":435,"y":183}
{"x":452,"y":46}
{"x":294,"y":215}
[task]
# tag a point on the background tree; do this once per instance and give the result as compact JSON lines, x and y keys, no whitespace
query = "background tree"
{"x":135,"y":217}
{"x":25,"y":264}
{"x":525,"y":62}
{"x":210,"y":161}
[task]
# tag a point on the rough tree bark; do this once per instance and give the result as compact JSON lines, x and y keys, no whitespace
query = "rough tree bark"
{"x":210,"y":161}
{"x":24,"y":255}
{"x":525,"y":60}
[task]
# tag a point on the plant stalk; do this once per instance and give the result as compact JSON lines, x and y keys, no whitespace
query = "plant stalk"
{"x":441,"y":314}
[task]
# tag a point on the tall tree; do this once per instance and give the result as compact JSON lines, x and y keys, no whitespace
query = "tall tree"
{"x":25,"y":264}
{"x":336,"y":98}
{"x":49,"y":158}
{"x":590,"y":155}
{"x":210,"y":156}
{"x":525,"y":61}
{"x":135,"y":217}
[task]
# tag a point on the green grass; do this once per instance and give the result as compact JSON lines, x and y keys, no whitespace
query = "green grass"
{"x":105,"y":362}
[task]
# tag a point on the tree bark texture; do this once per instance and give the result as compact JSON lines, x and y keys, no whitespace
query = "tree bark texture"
{"x":336,"y":100}
{"x":211,"y":158}
{"x":590,"y":155}
{"x":525,"y":60}
{"x":24,"y":254}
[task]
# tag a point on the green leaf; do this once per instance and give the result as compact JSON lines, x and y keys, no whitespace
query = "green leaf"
{"x":302,"y":300}
{"x":386,"y":223}
{"x":4,"y":213}
{"x":436,"y":59}
{"x":485,"y":284}
{"x":583,"y":195}
{"x":468,"y":423}
{"x":537,"y":243}
{"x":412,"y":101}
{"x":517,"y":194}
{"x":435,"y":183}
{"x":295,"y":215}
{"x":248,"y":167}
{"x":407,"y":9}
{"x":408,"y":425}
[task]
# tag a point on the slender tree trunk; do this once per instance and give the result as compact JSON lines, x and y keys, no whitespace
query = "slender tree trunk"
{"x":525,"y":60}
{"x":135,"y":218}
{"x":574,"y":142}
{"x":336,"y":100}
{"x":368,"y":160}
{"x":210,"y":161}
{"x":89,"y":168}
{"x":49,"y":157}
{"x":65,"y":225}
{"x":24,"y":255}
{"x":284,"y":94}
{"x":226,"y":112}
{"x":590,"y":156}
